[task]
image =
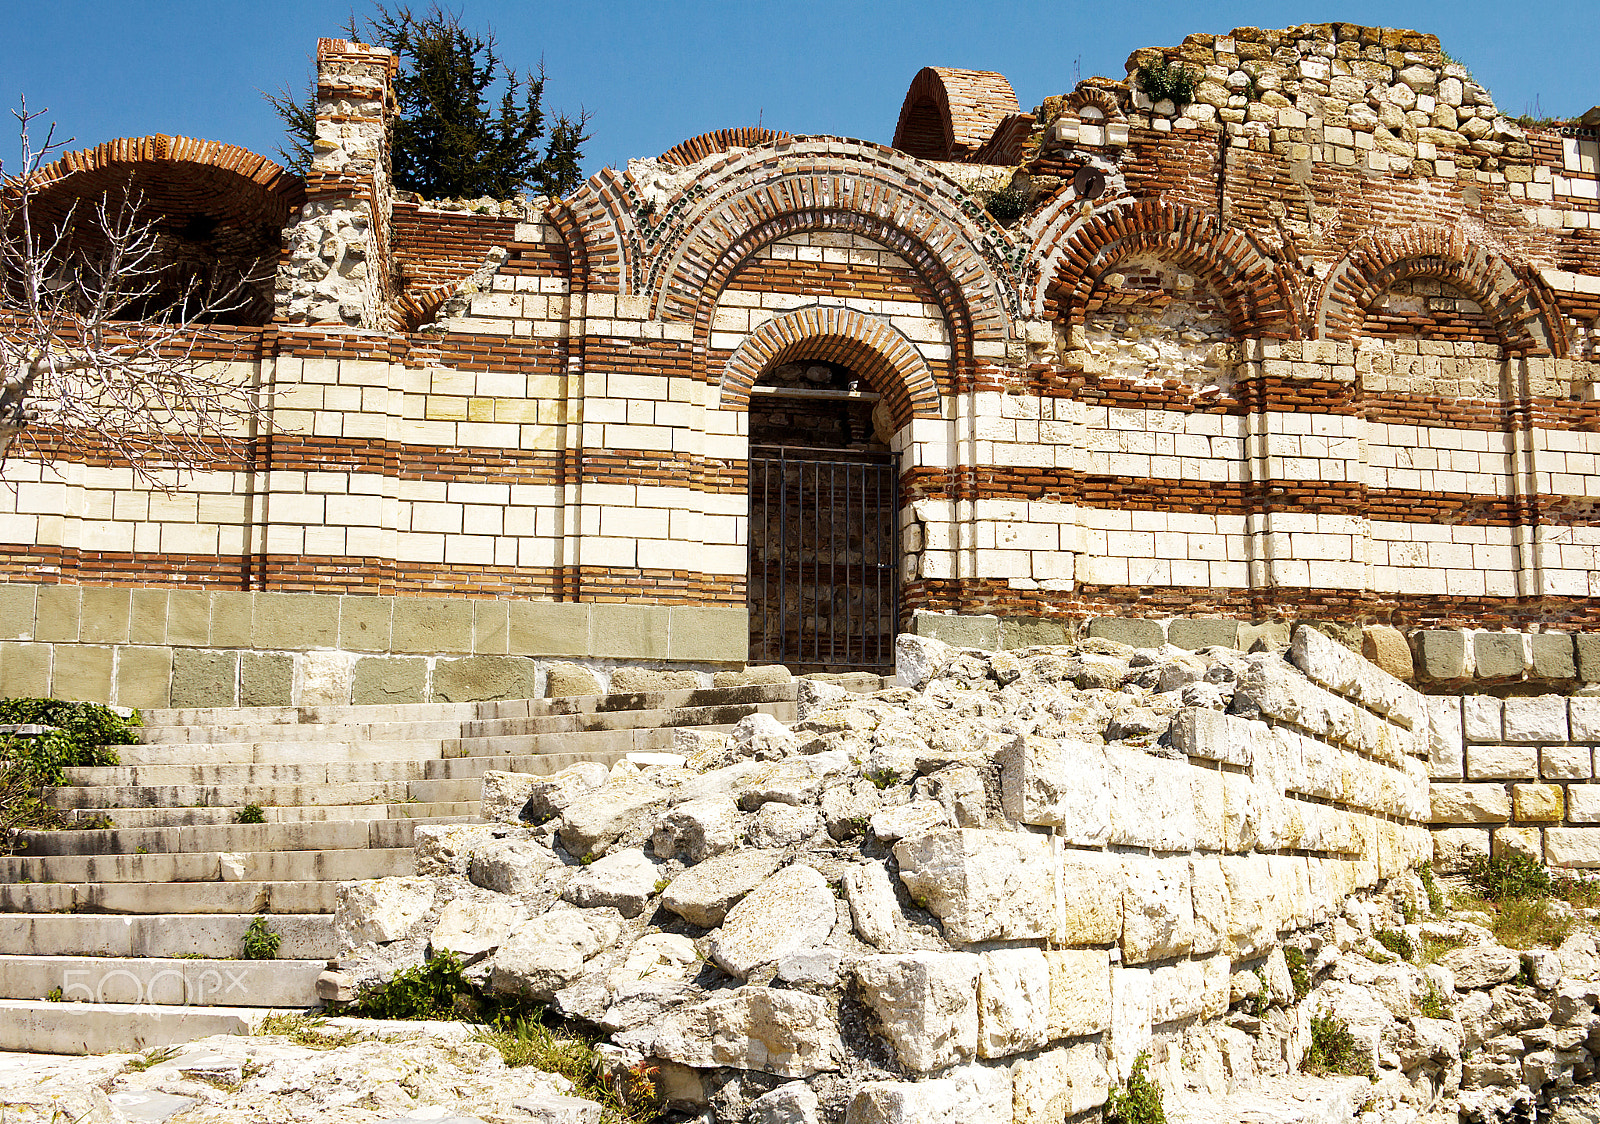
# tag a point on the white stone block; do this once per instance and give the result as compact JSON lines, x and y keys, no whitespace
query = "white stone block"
{"x":1014,"y":1002}
{"x":1542,"y":718}
{"x":927,"y":1004}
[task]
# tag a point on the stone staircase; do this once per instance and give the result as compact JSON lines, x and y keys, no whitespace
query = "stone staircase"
{"x":139,"y":925}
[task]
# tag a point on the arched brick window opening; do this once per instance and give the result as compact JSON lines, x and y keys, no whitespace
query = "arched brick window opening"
{"x":217,"y":211}
{"x":922,"y":132}
{"x":1150,"y":318}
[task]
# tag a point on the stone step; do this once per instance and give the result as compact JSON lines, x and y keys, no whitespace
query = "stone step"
{"x":313,"y":835}
{"x":167,"y":897}
{"x":280,"y":753}
{"x":216,"y":935}
{"x":205,"y":866}
{"x":184,"y":982}
{"x":226,"y":796}
{"x":649,"y":740}
{"x":466,"y":805}
{"x":300,"y":732}
{"x":539,"y":765}
{"x":41,"y":1027}
{"x":224,"y":773}
{"x":587,"y":721}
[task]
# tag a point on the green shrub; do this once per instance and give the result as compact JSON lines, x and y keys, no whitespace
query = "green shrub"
{"x":625,"y":1097}
{"x":1299,"y":971}
{"x":1505,"y":878}
{"x":260,"y":942}
{"x":1335,"y":1050}
{"x":83,"y":736}
{"x":1396,"y":941}
{"x":1433,"y":1005}
{"x":250,"y":813}
{"x":435,"y":990}
{"x":1436,"y":901}
{"x":1006,"y":204}
{"x":1163,"y":80}
{"x":1139,"y":1099}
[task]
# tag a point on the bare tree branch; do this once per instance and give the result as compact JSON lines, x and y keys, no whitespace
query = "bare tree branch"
{"x":107,"y":344}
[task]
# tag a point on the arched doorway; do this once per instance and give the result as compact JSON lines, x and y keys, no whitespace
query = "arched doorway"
{"x":824,"y":510}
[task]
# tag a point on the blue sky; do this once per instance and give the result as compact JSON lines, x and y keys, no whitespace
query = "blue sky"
{"x":654,"y":74}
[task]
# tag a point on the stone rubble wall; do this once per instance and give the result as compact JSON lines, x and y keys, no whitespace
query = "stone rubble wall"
{"x":986,"y":893}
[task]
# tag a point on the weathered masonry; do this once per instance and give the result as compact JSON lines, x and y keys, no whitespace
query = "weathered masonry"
{"x":1318,"y":344}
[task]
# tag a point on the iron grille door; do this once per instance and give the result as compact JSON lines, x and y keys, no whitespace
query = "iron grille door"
{"x":824,"y":575}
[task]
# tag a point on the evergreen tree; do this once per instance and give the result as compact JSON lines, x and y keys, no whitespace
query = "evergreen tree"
{"x":446,"y":141}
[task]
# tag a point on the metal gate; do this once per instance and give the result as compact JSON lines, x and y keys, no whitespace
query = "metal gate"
{"x":824,"y":580}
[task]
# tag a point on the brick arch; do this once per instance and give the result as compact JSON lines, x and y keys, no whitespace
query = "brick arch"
{"x":949,"y":113}
{"x":870,"y":347}
{"x":1076,"y":251}
{"x":696,"y":149}
{"x":1514,"y":303}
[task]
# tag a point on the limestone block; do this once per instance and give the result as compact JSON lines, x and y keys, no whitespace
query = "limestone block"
{"x":782,"y":825}
{"x":1588,"y":646}
{"x":1215,"y":973}
{"x":1443,"y":654}
{"x":294,"y":621}
{"x":1480,"y":718}
{"x":1511,"y":761}
{"x":103,"y":614}
{"x":1456,"y":847}
{"x":1584,"y":716}
{"x":593,"y":821}
{"x":1527,"y":841}
{"x":1542,"y":718}
{"x":1056,"y":782}
{"x":1241,"y":812}
{"x":81,"y":673}
{"x":1177,"y":991}
{"x":960,"y":631}
{"x":563,"y":680}
{"x":1445,"y":758}
{"x":1572,"y":846}
{"x":144,"y":677}
{"x":623,"y":880}
{"x":918,"y":659}
{"x":983,"y":885}
{"x":364,"y":623}
{"x":1080,"y":992}
{"x":703,"y":894}
{"x":1157,"y":909}
{"x":790,"y":911}
{"x":1013,"y":1002}
{"x":1129,"y":1035}
{"x":1387,"y":647}
{"x":1029,"y":632}
{"x":1135,"y":632}
{"x":512,"y":866}
{"x":17,"y":604}
{"x":325,"y":678}
{"x":379,"y":909}
{"x":903,"y":821}
{"x":381,"y":680}
{"x":549,"y":628}
{"x":1499,"y":655}
{"x":1470,"y":803}
{"x":546,"y":954}
{"x":25,"y":671}
{"x":697,"y":829}
{"x":1566,"y":762}
{"x":56,"y":613}
{"x":873,"y":907}
{"x":479,"y":678}
{"x":649,"y":680}
{"x":926,"y":1005}
{"x":1209,"y":889}
{"x":1212,"y":735}
{"x":1152,"y":804}
{"x":429,"y":625}
{"x":965,"y":1095}
{"x":1091,"y":897}
{"x":1554,"y":656}
{"x":470,"y":927}
{"x":793,"y":1103}
{"x":231,"y":615}
{"x":769,"y":674}
{"x":446,"y":848}
{"x":1204,"y":632}
{"x":267,"y":679}
{"x":1252,"y":908}
{"x":1535,"y":803}
{"x":630,"y":631}
{"x":793,"y":780}
{"x":1481,"y":965}
{"x":1059,"y":1084}
{"x":708,"y":633}
{"x":187,"y":617}
{"x":1583,"y":803}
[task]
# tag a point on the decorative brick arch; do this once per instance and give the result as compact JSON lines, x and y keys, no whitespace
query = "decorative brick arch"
{"x":870,"y":347}
{"x":696,"y":149}
{"x":1515,"y":304}
{"x":950,"y":113}
{"x":1075,"y":252}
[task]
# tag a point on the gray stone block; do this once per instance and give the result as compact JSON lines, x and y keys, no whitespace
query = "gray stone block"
{"x":81,"y":672}
{"x":204,"y":678}
{"x":478,"y":678}
{"x":295,"y":621}
{"x":1032,"y":632}
{"x":364,"y":623}
{"x":1387,"y":647}
{"x":266,"y":679}
{"x":563,"y":680}
{"x":1203,"y":632}
{"x":1265,"y":635}
{"x":753,"y":676}
{"x":144,"y":677}
{"x":17,"y":603}
{"x":103,"y":614}
{"x":1443,"y":654}
{"x":189,"y":618}
{"x":646,"y":680}
{"x":1134,"y":631}
{"x":548,"y":628}
{"x":708,"y":633}
{"x":380,"y":680}
{"x":147,"y":617}
{"x":56,"y":613}
{"x":961,"y":631}
{"x":1498,"y":655}
{"x":431,"y":625}
{"x":231,"y":613}
{"x":631,"y":632}
{"x":491,"y":628}
{"x":24,"y":671}
{"x":1554,"y":656}
{"x":1588,"y":645}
